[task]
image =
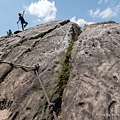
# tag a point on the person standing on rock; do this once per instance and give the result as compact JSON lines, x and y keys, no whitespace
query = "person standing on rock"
{"x":9,"y":33}
{"x":23,"y":22}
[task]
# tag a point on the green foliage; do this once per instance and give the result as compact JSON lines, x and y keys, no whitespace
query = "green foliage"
{"x":38,"y":36}
{"x":64,"y":75}
{"x":14,"y":45}
{"x":68,"y":53}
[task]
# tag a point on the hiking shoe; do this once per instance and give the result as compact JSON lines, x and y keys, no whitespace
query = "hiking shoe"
{"x":25,"y":25}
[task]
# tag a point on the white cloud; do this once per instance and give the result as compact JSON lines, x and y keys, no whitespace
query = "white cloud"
{"x":43,"y":9}
{"x":80,"y":22}
{"x":100,"y":1}
{"x":94,"y":14}
{"x":106,"y":1}
{"x":107,"y":13}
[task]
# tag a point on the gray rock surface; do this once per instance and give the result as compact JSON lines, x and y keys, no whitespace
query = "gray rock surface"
{"x":80,"y":72}
{"x":93,"y":88}
{"x":21,"y":96}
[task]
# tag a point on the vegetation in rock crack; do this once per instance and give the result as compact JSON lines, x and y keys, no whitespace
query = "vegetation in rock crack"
{"x":64,"y":75}
{"x":14,"y":45}
{"x":38,"y":36}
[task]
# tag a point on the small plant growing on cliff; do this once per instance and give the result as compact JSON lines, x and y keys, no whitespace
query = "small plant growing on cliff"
{"x":64,"y":75}
{"x":38,"y":36}
{"x":15,"y":44}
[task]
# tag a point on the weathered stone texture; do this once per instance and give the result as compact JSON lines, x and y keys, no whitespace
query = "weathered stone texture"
{"x":93,"y":89}
{"x":21,"y":96}
{"x":89,"y":62}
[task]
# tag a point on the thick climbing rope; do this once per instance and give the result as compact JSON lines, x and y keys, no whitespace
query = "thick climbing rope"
{"x":25,"y":68}
{"x":50,"y":105}
{"x":35,"y":69}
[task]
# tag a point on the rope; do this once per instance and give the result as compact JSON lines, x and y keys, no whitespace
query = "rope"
{"x":50,"y":105}
{"x":20,"y":66}
{"x":43,"y":89}
{"x":35,"y":69}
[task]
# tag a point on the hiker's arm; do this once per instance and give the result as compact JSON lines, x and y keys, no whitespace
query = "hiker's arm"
{"x":23,"y":13}
{"x":18,"y":21}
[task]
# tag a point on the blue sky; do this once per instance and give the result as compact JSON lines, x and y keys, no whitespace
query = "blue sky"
{"x":42,"y":11}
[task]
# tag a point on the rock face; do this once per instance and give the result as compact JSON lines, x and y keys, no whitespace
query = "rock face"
{"x":78,"y":71}
{"x":21,"y":95}
{"x":93,"y":88}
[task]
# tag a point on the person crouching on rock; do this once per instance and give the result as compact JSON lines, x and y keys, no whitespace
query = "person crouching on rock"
{"x":23,"y":22}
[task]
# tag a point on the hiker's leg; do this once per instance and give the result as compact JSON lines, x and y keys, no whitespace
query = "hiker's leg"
{"x":22,"y":26}
{"x":25,"y":24}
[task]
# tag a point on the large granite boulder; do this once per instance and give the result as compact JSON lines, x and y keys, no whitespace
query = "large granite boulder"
{"x":21,"y":94}
{"x":93,"y":88}
{"x":78,"y":77}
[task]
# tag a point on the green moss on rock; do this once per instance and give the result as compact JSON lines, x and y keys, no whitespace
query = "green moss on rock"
{"x":38,"y":36}
{"x":14,"y":45}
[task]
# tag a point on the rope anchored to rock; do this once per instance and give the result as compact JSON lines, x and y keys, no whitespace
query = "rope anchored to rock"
{"x":25,"y":68}
{"x":50,"y":105}
{"x":35,"y":69}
